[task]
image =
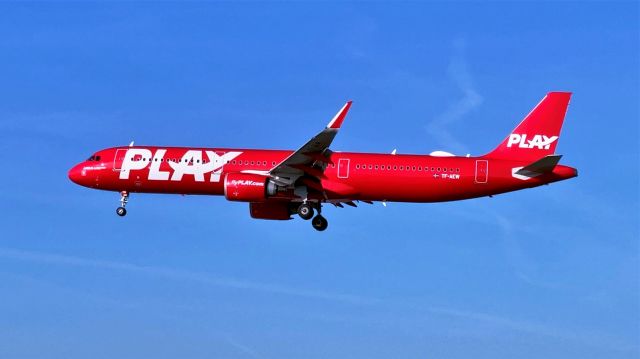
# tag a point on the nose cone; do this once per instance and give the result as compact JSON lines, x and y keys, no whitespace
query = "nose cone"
{"x":77,"y":175}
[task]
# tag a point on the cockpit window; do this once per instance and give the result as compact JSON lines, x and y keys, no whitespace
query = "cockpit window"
{"x":92,"y":158}
{"x":97,"y":158}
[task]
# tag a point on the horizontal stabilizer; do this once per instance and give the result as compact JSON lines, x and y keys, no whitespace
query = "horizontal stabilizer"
{"x":544,"y":165}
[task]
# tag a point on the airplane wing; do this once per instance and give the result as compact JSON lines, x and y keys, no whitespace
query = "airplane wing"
{"x":310,"y":159}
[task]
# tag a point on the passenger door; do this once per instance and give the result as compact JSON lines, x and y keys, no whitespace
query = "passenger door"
{"x":482,"y":171}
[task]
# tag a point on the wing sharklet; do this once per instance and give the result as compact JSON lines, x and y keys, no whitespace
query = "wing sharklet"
{"x":337,"y":120}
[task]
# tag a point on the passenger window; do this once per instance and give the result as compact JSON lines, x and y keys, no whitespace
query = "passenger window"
{"x":401,"y":168}
{"x":376,"y":167}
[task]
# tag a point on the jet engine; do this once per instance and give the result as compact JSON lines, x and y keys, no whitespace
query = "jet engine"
{"x":245,"y":187}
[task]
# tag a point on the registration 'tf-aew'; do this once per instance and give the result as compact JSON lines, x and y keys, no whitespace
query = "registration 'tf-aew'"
{"x":278,"y":184}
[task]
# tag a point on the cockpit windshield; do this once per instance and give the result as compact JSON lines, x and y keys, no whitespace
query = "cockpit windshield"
{"x":94,"y":158}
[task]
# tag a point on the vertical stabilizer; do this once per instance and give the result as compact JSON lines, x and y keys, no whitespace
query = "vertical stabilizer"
{"x":537,"y":135}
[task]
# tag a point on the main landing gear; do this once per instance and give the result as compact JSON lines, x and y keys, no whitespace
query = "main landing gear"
{"x":319,"y":223}
{"x":121,"y":211}
{"x":305,"y":211}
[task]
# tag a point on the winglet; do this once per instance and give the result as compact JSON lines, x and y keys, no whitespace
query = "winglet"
{"x":336,"y":122}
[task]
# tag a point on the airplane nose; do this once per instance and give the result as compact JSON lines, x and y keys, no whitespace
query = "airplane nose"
{"x":76,"y":174}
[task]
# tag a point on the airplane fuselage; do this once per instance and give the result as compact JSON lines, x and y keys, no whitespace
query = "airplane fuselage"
{"x":348,"y":175}
{"x":280,"y":183}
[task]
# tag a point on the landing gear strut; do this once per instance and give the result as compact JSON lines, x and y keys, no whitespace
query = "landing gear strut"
{"x":121,"y":211}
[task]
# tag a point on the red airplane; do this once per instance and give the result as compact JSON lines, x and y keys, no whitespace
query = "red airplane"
{"x":278,"y":184}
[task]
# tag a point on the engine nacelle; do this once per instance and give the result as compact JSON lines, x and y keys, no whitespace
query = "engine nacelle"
{"x":270,"y":210}
{"x":245,"y":187}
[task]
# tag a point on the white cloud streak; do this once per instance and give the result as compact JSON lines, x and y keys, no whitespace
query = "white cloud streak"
{"x":597,"y":340}
{"x":242,"y":348}
{"x":593,"y":339}
{"x":177,"y":274}
{"x":471,"y":99}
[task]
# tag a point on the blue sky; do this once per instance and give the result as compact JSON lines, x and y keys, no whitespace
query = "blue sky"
{"x":550,"y":272}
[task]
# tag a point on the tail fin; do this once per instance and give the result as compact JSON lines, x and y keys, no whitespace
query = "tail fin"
{"x":537,"y":135}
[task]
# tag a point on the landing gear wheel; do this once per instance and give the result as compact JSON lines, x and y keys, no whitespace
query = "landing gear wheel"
{"x":319,"y":223}
{"x":305,"y":211}
{"x":124,"y":198}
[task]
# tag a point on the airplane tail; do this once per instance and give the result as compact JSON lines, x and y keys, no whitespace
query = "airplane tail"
{"x":537,"y":135}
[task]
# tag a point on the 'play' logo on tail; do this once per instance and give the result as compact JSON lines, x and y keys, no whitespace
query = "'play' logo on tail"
{"x":538,"y":134}
{"x":538,"y":141}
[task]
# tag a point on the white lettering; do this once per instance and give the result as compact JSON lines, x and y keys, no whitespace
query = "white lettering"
{"x":218,"y":162}
{"x":523,"y":140}
{"x":513,"y":138}
{"x":548,"y":141}
{"x":538,"y":141}
{"x":129,"y":163}
{"x":191,"y":164}
{"x":154,"y":171}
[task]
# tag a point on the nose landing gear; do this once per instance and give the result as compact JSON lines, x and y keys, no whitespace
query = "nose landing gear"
{"x":121,"y":211}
